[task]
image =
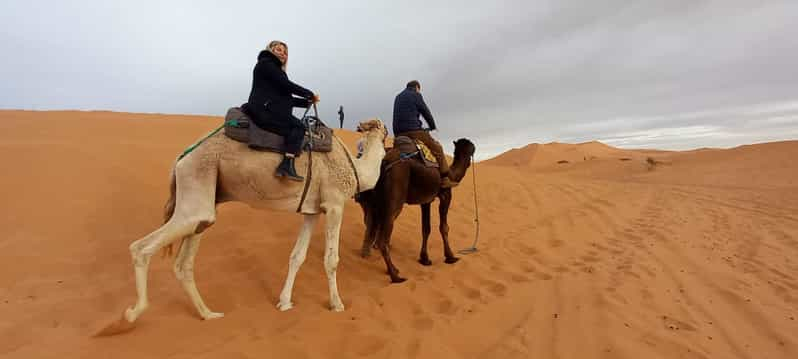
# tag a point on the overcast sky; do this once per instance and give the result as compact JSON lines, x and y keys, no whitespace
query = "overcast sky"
{"x":667,"y":74}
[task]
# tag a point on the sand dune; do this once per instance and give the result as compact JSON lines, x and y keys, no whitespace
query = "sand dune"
{"x":599,"y":257}
{"x":538,"y":155}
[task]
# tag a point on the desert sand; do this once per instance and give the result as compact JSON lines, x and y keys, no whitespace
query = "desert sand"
{"x":602,"y":256}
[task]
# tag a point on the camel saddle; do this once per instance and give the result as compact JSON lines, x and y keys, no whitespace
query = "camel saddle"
{"x":410,"y":148}
{"x":238,"y":126}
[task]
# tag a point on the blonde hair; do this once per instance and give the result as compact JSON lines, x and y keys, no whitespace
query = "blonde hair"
{"x":274,"y":44}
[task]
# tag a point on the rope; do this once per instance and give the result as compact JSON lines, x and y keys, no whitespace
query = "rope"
{"x":473,"y":247}
{"x":309,"y":175}
{"x":196,"y":144}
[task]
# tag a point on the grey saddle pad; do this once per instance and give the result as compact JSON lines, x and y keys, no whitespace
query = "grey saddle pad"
{"x":238,"y":126}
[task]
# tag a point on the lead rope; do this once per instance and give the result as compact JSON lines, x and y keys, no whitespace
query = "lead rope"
{"x":309,"y":175}
{"x":473,"y":247}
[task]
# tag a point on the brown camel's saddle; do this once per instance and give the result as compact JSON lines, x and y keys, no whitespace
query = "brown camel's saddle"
{"x":238,"y":126}
{"x":411,"y":149}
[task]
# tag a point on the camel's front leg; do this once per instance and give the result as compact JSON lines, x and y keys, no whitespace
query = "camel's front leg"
{"x":297,"y":258}
{"x":184,"y":270}
{"x":334,"y":218}
{"x":445,"y":197}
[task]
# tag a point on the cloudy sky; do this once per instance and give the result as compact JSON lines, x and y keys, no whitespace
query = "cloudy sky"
{"x":667,"y":74}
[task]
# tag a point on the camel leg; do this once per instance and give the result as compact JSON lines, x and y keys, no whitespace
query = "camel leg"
{"x":384,"y":245}
{"x":370,"y":232}
{"x":443,"y":210}
{"x":297,"y":258}
{"x":142,"y":251}
{"x":333,"y":219}
{"x":194,"y":212}
{"x":423,"y":258}
{"x":184,"y":271}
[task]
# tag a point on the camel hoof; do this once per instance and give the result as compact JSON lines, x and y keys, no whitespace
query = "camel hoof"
{"x":285,"y":306}
{"x":425,"y":261}
{"x":121,"y":325}
{"x":398,"y":279}
{"x":337,"y":308}
{"x":365,"y":253}
{"x":451,"y":260}
{"x":130,"y":315}
{"x":212,"y":315}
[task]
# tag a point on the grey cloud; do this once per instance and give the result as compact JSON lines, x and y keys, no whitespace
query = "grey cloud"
{"x":676,"y":74}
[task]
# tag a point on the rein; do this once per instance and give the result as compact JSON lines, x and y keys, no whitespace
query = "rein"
{"x":473,"y":247}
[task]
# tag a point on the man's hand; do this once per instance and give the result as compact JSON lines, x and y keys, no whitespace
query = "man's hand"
{"x":314,"y":99}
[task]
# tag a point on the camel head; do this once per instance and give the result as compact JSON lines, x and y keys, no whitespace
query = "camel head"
{"x":373,"y":125}
{"x":464,"y":148}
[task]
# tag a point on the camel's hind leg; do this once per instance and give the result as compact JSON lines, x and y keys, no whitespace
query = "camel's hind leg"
{"x":184,"y":271}
{"x":297,"y":258}
{"x":426,"y":229}
{"x":142,"y":251}
{"x":194,"y":212}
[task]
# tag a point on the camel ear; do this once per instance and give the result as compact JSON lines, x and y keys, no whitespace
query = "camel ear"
{"x":454,"y":142}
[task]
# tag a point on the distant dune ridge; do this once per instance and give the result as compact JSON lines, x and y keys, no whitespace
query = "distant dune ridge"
{"x":597,"y":256}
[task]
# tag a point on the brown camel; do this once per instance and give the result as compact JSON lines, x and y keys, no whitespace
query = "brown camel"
{"x":223,"y":170}
{"x":410,"y":181}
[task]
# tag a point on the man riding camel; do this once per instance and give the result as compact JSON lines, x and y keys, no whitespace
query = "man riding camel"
{"x":406,"y":109}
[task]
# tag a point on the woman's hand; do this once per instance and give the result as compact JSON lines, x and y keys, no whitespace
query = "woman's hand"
{"x":314,"y":99}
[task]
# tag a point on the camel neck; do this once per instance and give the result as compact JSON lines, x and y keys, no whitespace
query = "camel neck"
{"x":368,"y":164}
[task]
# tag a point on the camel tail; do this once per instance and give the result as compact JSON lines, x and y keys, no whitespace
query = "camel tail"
{"x":169,"y":209}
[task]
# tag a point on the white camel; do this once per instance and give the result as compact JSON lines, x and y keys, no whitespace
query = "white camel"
{"x":222,"y":170}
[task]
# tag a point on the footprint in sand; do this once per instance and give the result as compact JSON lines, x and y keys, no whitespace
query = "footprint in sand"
{"x":556,"y":243}
{"x":472,"y":293}
{"x":561,"y":269}
{"x":528,"y":267}
{"x":423,"y":323}
{"x":632,"y":274}
{"x":446,"y":306}
{"x":675,"y":324}
{"x":517,"y":278}
{"x":544,"y":276}
{"x":497,"y":289}
{"x":530,"y":251}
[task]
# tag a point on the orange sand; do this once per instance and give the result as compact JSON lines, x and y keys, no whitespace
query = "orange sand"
{"x":595,"y":258}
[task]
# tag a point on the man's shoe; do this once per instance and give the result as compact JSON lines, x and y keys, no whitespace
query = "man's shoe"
{"x":286,"y":169}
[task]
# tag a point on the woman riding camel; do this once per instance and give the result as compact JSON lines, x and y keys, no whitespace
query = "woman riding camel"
{"x":271,"y":104}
